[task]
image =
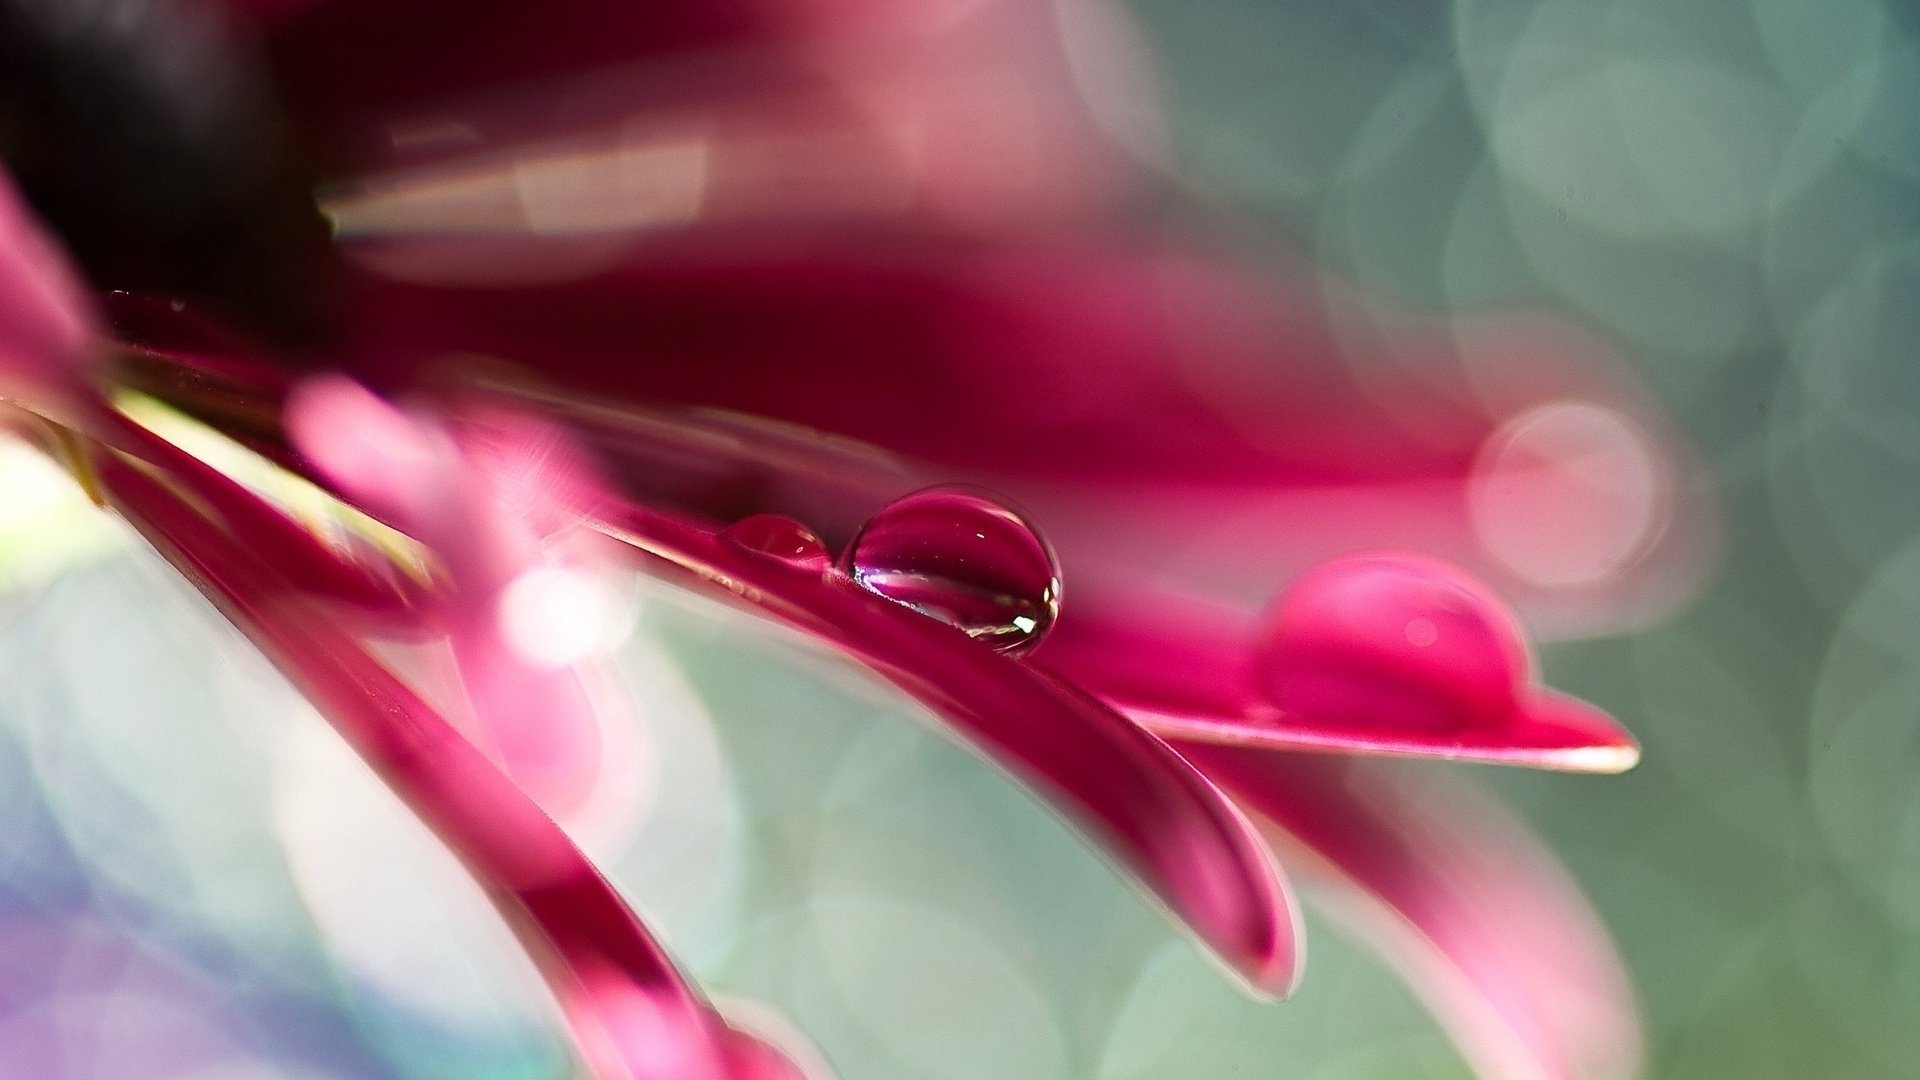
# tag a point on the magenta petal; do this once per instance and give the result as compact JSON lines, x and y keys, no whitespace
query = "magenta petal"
{"x":497,"y":503}
{"x":1158,"y":407}
{"x":276,"y":538}
{"x":1350,"y":682}
{"x":1074,"y":362}
{"x":46,"y":319}
{"x":632,"y":1012}
{"x":1166,"y":823}
{"x":1465,"y":901}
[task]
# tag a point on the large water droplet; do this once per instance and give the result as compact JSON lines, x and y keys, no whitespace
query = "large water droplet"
{"x":1385,"y":641}
{"x":961,"y":557}
{"x":779,"y":537}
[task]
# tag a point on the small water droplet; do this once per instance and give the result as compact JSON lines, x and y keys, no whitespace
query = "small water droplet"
{"x":961,"y":557}
{"x":1392,"y":641}
{"x":779,"y":537}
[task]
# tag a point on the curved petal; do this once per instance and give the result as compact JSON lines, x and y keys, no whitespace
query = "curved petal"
{"x":1180,"y":667}
{"x":373,"y":588}
{"x":1464,"y":900}
{"x":1168,"y":825}
{"x":1163,"y":413}
{"x":632,"y":1012}
{"x":1160,"y":407}
{"x":1187,"y":672}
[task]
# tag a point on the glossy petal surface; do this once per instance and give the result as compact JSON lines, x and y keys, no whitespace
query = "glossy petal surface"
{"x":1164,"y":821}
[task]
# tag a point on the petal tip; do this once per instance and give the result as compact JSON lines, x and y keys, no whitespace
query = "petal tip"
{"x":1591,"y":740}
{"x":1268,"y":954}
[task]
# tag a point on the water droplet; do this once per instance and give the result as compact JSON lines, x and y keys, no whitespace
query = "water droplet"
{"x":959,"y":556}
{"x":1393,"y":641}
{"x":779,"y":537}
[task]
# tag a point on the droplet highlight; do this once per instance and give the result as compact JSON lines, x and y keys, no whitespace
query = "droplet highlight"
{"x":779,"y":537}
{"x":962,"y":557}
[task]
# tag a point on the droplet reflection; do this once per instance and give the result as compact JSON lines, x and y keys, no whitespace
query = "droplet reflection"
{"x":961,"y":557}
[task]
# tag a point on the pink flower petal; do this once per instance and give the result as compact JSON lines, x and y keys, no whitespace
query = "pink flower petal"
{"x":1158,"y":407}
{"x":1377,"y":654}
{"x":499,"y":505}
{"x":1174,"y":830}
{"x":1166,"y":416}
{"x":632,"y":1012}
{"x":46,"y":318}
{"x":1182,"y":669}
{"x":375,"y":589}
{"x":1465,"y":901}
{"x":1109,"y":360}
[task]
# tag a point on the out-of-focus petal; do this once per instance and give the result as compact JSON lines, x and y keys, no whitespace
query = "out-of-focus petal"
{"x":1166,"y":823}
{"x":1464,"y":900}
{"x":1377,"y":654}
{"x":46,"y":318}
{"x":558,"y":129}
{"x":632,"y":1012}
{"x":1171,"y":418}
{"x":499,"y":505}
{"x":1165,"y":412}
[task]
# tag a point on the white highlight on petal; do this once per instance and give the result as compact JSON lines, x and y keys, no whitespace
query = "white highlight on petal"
{"x":554,"y":616}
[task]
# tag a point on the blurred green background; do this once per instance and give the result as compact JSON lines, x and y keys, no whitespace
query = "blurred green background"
{"x":1729,"y":191}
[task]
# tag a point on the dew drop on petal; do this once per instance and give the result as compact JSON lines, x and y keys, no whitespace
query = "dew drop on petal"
{"x":1384,"y":641}
{"x":959,"y":556}
{"x":780,"y":537}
